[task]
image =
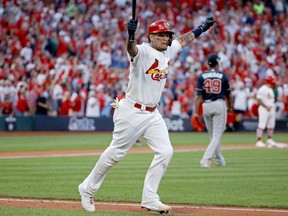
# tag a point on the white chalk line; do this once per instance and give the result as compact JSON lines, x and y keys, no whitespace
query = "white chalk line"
{"x":95,"y":154}
{"x":137,"y":205}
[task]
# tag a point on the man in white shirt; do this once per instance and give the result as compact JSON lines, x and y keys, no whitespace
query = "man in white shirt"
{"x":240,"y":101}
{"x":93,"y":105}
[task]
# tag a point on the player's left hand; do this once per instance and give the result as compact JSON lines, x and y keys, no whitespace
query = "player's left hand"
{"x":230,"y":110}
{"x":209,"y":22}
{"x":115,"y":103}
{"x":197,"y":123}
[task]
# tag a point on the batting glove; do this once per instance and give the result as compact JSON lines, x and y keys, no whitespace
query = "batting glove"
{"x":115,"y":103}
{"x":209,"y":22}
{"x":131,"y":27}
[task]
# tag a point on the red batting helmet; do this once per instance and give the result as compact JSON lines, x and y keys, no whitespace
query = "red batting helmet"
{"x":159,"y":26}
{"x":270,"y":80}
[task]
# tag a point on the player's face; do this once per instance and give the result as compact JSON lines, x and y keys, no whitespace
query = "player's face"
{"x":160,"y":41}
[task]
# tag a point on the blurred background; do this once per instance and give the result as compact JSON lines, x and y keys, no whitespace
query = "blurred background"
{"x":68,"y":57}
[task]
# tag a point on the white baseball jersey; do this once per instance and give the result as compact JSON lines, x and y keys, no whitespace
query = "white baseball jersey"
{"x":266,"y":118}
{"x":148,"y":73}
{"x":266,"y":95}
{"x":93,"y":107}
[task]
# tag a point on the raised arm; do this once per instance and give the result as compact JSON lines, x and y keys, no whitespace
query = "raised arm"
{"x":188,"y":37}
{"x":131,"y":43}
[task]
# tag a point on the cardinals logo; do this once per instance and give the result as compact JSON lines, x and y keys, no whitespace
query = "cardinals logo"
{"x":156,"y":74}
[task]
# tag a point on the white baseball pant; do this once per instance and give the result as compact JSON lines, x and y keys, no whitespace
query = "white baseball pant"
{"x":129,"y":124}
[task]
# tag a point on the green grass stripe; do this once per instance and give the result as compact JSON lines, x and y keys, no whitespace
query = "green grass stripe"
{"x":75,"y":141}
{"x":255,"y":177}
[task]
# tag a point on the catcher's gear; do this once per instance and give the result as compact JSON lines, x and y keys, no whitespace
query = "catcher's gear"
{"x":208,"y":23}
{"x":197,"y":123}
{"x":131,"y":27}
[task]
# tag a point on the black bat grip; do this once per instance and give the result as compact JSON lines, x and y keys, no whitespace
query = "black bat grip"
{"x":134,"y":9}
{"x":132,"y":37}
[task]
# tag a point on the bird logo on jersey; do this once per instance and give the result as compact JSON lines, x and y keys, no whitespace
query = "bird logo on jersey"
{"x":157,"y":74}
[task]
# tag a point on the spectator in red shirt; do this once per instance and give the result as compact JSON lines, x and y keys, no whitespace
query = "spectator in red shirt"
{"x":7,"y":107}
{"x":22,"y":107}
{"x":65,"y":105}
{"x":76,"y":103}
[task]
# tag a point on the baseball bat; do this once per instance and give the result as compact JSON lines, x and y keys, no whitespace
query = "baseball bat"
{"x":133,"y":17}
{"x":132,"y":37}
{"x":133,"y":9}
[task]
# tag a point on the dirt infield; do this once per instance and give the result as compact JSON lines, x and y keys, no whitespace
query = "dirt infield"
{"x":140,"y":149}
{"x":131,"y":207}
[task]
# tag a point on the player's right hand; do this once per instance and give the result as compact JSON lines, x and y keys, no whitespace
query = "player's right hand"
{"x":208,"y":23}
{"x":132,"y":26}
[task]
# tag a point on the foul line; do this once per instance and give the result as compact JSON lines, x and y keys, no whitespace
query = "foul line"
{"x":137,"y":205}
{"x":131,"y":151}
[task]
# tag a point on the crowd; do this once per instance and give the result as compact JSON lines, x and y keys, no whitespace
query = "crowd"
{"x":68,"y":57}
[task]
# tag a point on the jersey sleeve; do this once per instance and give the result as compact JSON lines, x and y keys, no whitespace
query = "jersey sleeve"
{"x":141,"y":50}
{"x":260,"y":94}
{"x":174,"y":49}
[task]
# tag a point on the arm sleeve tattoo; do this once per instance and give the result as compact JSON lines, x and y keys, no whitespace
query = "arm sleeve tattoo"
{"x":132,"y":49}
{"x":186,"y":38}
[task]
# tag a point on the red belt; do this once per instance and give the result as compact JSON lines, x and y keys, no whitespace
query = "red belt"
{"x":139,"y":106}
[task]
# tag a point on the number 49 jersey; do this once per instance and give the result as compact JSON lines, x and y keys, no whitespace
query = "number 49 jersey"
{"x":213,"y":85}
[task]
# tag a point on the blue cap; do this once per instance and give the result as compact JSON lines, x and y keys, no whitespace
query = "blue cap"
{"x":213,"y":59}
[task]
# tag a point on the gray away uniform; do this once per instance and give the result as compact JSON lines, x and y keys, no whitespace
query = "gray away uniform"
{"x":213,"y":86}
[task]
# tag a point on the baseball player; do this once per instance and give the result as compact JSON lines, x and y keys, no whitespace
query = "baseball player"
{"x":213,"y":88}
{"x":266,"y":113}
{"x":137,"y":115}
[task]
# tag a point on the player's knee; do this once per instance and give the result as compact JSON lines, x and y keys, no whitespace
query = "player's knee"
{"x":167,"y":153}
{"x":117,"y":155}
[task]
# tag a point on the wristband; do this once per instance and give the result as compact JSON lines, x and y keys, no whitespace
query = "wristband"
{"x":131,"y":39}
{"x":197,"y":32}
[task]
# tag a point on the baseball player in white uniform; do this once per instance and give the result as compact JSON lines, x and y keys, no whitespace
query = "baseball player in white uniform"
{"x":137,"y":115}
{"x":267,"y":114}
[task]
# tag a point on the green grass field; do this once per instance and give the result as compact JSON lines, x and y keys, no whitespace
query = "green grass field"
{"x":252,"y":177}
